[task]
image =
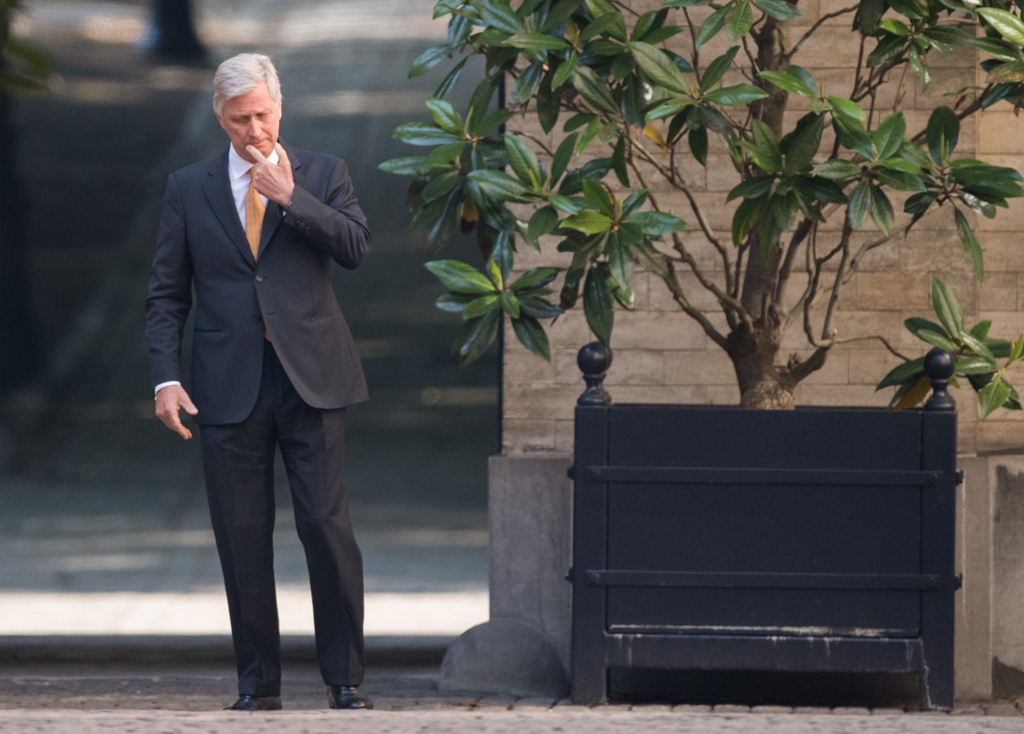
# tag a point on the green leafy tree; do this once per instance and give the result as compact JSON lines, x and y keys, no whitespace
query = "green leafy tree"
{"x":611,"y":75}
{"x":976,"y":353}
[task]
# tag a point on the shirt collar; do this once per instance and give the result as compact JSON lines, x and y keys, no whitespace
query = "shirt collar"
{"x":238,"y":166}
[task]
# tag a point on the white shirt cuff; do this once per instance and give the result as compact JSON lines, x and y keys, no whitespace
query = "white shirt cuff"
{"x":162,"y":385}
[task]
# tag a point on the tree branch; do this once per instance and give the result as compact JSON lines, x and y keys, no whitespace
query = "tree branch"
{"x":813,"y":29}
{"x":672,"y":282}
{"x":882,"y":339}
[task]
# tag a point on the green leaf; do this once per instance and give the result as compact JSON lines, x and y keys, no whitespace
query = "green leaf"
{"x":498,"y":15}
{"x":543,"y":221}
{"x":459,"y":277}
{"x":565,"y":70}
{"x":947,"y":307}
{"x":1016,"y":349}
{"x":974,"y":365}
{"x":924,"y":73}
{"x":881,"y":210}
{"x":739,"y":19}
{"x":480,"y":306}
{"x":658,"y":67}
{"x":527,"y":82}
{"x":499,"y":185}
{"x":1002,"y":50}
{"x":423,"y":133}
{"x":531,"y":335}
{"x":836,"y":169}
{"x":790,"y":82}
{"x":717,"y":69}
{"x":993,"y":395}
{"x":888,"y":48}
{"x":522,"y":161}
{"x":445,"y":116}
{"x":697,"y":139}
{"x":930,"y":332}
{"x":475,"y":336}
{"x":534,"y":278}
{"x":411,"y":165}
{"x":560,"y":13}
{"x":860,"y":203}
{"x":894,"y":26}
{"x":752,"y":188}
{"x":711,"y":26}
{"x":980,"y":330}
{"x":536,"y":42}
{"x":562,"y":157}
{"x":509,"y":304}
{"x":909,"y":8}
{"x":657,"y":223}
{"x":620,"y":260}
{"x":598,"y":306}
{"x":493,"y":121}
{"x":900,"y":181}
{"x":970,"y":242}
{"x":779,"y":9}
{"x":428,"y":60}
{"x":449,"y":82}
{"x":441,"y":185}
{"x":539,"y":308}
{"x":889,"y":135}
{"x":453,"y":302}
{"x":588,"y":222}
{"x":1008,"y":24}
{"x":563,"y":204}
{"x":802,"y":144}
{"x":942,"y":133}
{"x":593,"y":90}
{"x":619,"y":162}
{"x":909,"y":371}
{"x":737,"y":94}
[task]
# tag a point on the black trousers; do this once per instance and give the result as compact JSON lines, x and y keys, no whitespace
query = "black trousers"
{"x":238,"y":463}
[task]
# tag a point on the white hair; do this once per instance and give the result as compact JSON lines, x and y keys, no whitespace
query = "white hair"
{"x":240,"y":75}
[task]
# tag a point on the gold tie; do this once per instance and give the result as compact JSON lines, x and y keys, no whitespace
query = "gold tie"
{"x":254,"y":210}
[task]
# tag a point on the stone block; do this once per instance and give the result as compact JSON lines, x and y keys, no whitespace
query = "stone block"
{"x":636,"y":367}
{"x":503,"y":656}
{"x":807,"y":394}
{"x":530,"y":530}
{"x":1007,"y":475}
{"x":999,"y":292}
{"x":973,"y":638}
{"x":886,"y":291}
{"x":675,"y":394}
{"x":523,"y":366}
{"x":661,"y":298}
{"x":656,"y":330}
{"x":706,"y":367}
{"x":527,"y":437}
{"x":539,"y":402}
{"x":998,"y":133}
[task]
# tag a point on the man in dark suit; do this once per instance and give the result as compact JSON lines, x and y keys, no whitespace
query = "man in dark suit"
{"x":253,"y":231}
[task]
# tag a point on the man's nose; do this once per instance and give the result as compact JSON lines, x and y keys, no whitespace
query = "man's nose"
{"x":253,"y":129}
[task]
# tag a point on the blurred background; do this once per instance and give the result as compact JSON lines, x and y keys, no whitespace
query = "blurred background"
{"x":104,"y":527}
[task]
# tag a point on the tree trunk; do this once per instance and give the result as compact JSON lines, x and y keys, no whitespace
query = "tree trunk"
{"x":764,"y":384}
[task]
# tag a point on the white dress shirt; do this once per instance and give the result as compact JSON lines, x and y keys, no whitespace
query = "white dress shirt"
{"x":238,"y":174}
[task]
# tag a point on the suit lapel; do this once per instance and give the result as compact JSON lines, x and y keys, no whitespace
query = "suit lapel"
{"x":218,"y":192}
{"x":274,"y":214}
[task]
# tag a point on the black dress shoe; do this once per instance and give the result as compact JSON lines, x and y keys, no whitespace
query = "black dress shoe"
{"x":246,"y":702}
{"x":348,"y":697}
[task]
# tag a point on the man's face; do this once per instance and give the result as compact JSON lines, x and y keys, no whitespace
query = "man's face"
{"x":252,"y":119}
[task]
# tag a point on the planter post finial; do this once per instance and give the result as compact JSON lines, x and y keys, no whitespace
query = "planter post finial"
{"x":939,"y":365}
{"x":594,"y":359}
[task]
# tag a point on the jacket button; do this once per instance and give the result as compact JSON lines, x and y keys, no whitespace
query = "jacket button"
{"x":259,"y":278}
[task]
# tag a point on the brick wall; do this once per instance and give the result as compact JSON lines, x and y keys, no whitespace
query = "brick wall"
{"x":661,"y":355}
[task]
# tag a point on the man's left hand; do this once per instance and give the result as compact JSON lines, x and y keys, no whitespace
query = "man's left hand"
{"x":273,"y":180}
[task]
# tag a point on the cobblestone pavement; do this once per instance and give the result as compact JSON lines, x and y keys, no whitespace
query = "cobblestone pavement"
{"x":533,"y":718}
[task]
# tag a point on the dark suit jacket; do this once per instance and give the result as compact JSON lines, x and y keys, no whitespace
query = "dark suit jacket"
{"x":286,"y":291}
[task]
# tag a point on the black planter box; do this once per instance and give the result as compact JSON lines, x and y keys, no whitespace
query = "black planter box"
{"x":710,"y":538}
